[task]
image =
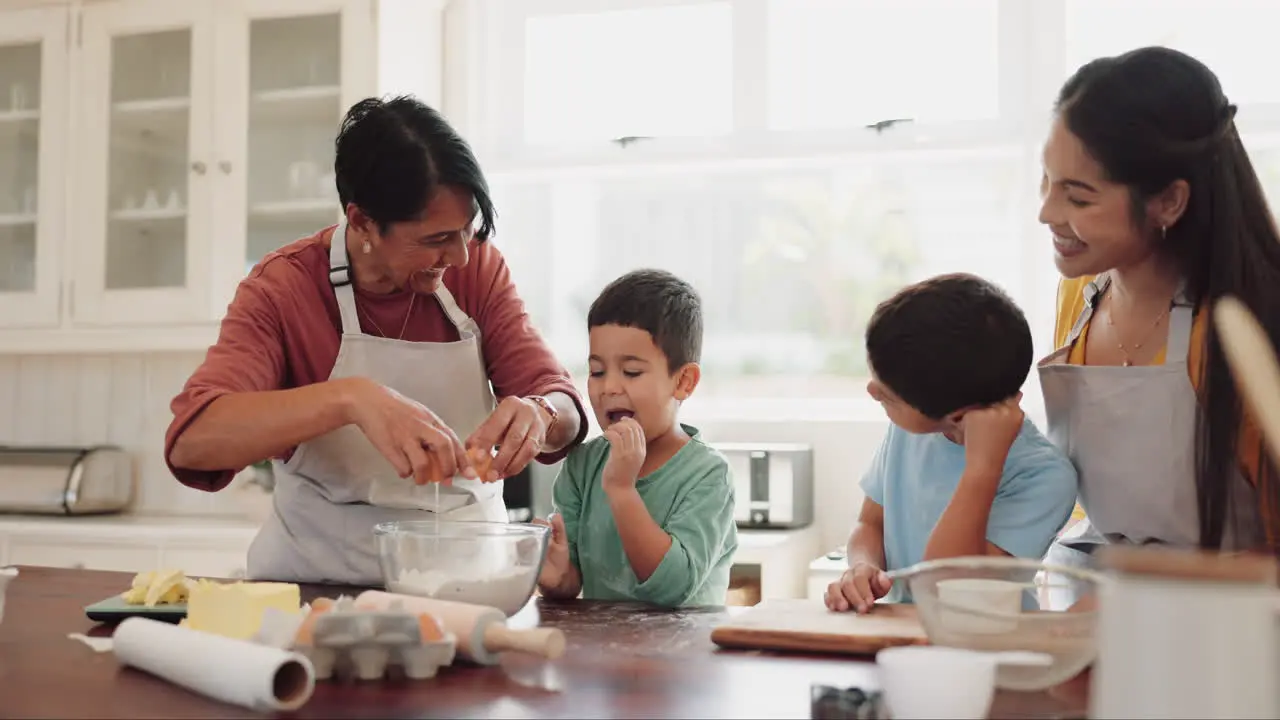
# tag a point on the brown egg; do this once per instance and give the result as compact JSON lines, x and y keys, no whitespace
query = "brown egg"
{"x":433,"y":473}
{"x":305,"y":635}
{"x":481,"y":460}
{"x":430,"y":628}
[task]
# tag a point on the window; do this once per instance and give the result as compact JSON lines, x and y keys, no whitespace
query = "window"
{"x":799,"y":160}
{"x":844,"y":63}
{"x":790,"y":260}
{"x":1234,"y":37}
{"x":597,"y":76}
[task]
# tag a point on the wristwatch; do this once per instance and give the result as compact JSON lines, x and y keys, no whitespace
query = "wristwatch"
{"x":552,"y":414}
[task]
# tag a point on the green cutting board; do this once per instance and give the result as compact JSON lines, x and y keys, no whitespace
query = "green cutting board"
{"x":114,"y":609}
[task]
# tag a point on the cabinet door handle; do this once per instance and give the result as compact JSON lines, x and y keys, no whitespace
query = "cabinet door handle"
{"x":225,"y":167}
{"x":198,"y":167}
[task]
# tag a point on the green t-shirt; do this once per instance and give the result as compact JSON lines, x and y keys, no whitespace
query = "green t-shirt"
{"x":690,"y":497}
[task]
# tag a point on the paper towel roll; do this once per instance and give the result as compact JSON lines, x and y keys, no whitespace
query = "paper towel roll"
{"x":233,"y":671}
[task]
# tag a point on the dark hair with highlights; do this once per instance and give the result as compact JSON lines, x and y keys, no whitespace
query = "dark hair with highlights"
{"x":392,"y":155}
{"x":1153,"y":116}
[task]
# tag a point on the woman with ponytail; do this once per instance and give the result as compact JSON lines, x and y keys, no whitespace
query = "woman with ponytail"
{"x":1156,"y":212}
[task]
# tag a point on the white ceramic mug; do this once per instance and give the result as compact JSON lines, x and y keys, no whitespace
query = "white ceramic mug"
{"x":6,"y":574}
{"x":17,"y":97}
{"x":936,"y":682}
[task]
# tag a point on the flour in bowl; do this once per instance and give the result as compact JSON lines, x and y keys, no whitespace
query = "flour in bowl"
{"x":506,"y":590}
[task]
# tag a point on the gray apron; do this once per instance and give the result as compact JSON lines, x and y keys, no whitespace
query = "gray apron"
{"x":1130,"y":431}
{"x":336,"y":487}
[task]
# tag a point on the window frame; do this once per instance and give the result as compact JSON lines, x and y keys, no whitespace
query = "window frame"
{"x":502,"y":98}
{"x":484,"y":87}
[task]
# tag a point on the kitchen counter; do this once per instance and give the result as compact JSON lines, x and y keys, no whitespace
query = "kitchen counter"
{"x":622,"y":660}
{"x":130,"y":524}
{"x":214,"y":546}
{"x":217,"y":545}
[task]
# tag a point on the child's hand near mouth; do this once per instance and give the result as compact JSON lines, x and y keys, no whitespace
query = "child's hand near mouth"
{"x":627,"y":449}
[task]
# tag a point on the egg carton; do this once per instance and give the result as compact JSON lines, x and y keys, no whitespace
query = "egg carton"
{"x":366,"y":644}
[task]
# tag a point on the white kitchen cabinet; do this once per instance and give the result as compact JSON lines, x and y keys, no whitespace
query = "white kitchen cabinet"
{"x":212,"y":547}
{"x":165,"y":146}
{"x":293,"y":69}
{"x":56,"y":550}
{"x":34,"y":63}
{"x":224,"y":561}
{"x":206,"y":139}
{"x":143,"y":134}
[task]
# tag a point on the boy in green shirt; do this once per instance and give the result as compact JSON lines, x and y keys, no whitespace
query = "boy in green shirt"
{"x":644,"y":512}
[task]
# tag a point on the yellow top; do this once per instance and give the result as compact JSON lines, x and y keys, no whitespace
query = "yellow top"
{"x":1071,"y":304}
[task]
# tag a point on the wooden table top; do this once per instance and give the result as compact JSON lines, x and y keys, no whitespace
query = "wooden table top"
{"x":623,"y":660}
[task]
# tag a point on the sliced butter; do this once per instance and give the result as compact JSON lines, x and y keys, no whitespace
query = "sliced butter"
{"x":157,"y":587}
{"x":235,"y":609}
{"x":164,"y":588}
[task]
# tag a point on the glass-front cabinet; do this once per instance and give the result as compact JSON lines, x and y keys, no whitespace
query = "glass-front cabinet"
{"x":207,"y":142}
{"x":296,"y":74}
{"x":33,"y":61}
{"x":153,"y":151}
{"x":144,"y":148}
{"x":295,"y":102}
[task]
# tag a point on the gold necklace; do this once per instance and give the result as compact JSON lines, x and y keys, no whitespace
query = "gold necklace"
{"x":413,"y":299}
{"x":1111,"y":322}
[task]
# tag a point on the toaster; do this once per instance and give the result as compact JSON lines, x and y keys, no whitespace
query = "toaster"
{"x":65,"y":480}
{"x":773,"y":484}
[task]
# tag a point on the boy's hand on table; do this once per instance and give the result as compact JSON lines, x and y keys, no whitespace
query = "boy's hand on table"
{"x":858,"y":588}
{"x":627,"y":449}
{"x":989,"y":432}
{"x":556,"y":565}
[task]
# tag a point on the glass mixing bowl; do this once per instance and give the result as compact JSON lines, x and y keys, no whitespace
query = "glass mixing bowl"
{"x":1004,"y":603}
{"x":482,"y":563}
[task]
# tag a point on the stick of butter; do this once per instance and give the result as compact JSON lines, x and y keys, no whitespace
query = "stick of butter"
{"x":235,"y":610}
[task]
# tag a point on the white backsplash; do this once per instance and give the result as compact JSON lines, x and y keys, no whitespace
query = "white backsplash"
{"x":124,"y":399}
{"x":119,"y":399}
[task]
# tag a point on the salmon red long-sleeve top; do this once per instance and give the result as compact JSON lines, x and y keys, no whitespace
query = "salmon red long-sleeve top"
{"x":282,"y":330}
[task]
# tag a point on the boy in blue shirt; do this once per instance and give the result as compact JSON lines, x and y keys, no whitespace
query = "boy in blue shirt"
{"x":644,"y":512}
{"x":961,"y":471}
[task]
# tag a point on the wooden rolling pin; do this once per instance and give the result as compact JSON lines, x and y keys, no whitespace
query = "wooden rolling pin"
{"x":1252,"y":359}
{"x":481,"y":630}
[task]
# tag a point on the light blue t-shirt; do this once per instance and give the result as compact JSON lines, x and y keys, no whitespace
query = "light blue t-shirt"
{"x":914,"y":476}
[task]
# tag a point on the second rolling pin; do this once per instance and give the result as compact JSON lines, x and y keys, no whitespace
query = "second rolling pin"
{"x":481,"y":630}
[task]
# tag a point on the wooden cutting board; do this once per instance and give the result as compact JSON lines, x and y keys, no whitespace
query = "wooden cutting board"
{"x":808,"y":626}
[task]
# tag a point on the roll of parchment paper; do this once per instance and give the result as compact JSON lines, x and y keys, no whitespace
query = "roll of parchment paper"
{"x":234,"y":671}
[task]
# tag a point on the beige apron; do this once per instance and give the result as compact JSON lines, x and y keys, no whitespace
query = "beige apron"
{"x":336,"y":487}
{"x":1130,"y":431}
